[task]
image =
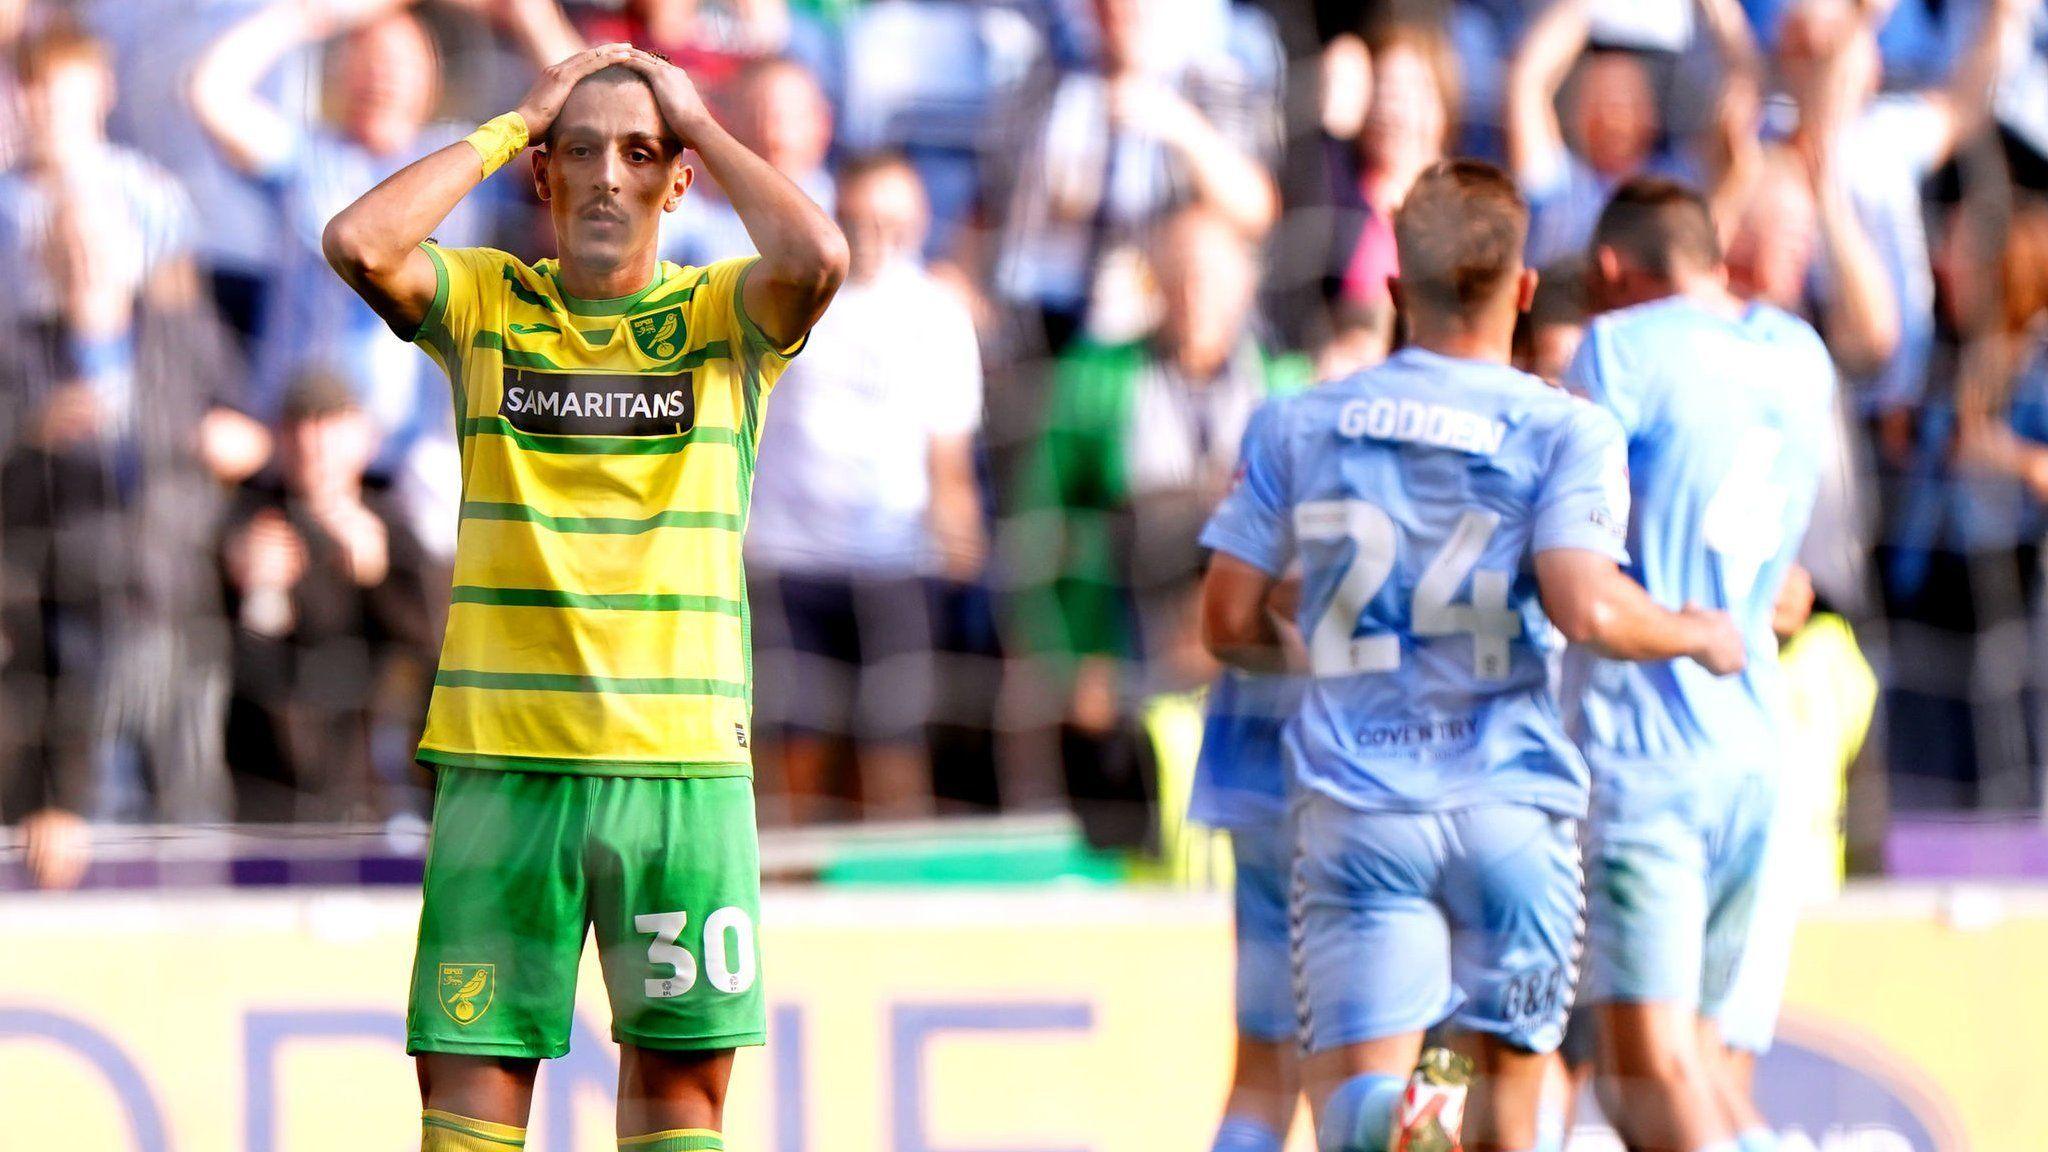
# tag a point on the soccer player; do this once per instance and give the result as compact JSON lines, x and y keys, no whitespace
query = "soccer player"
{"x":589,"y":717}
{"x":1440,"y":505}
{"x":1725,"y":405}
{"x":1747,"y":1021}
{"x":1241,"y":787}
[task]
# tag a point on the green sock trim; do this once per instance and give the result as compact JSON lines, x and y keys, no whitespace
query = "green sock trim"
{"x":675,"y":1140}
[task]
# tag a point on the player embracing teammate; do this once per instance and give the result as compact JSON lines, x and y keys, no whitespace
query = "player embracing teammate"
{"x":1456,"y":522}
{"x":1726,"y":405}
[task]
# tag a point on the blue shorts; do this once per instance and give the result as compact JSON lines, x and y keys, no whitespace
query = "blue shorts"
{"x":1405,"y":920}
{"x":1264,"y":856}
{"x":1672,"y":869}
{"x":1748,"y":1016}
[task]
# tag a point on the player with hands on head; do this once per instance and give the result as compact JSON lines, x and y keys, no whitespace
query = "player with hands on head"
{"x":1445,"y":509}
{"x":589,"y":726}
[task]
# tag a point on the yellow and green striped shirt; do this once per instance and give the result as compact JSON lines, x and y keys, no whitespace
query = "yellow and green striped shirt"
{"x":598,"y":622}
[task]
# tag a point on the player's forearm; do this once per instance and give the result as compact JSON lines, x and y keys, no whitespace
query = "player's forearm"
{"x":1262,"y":648}
{"x":374,"y":243}
{"x":803,"y":254}
{"x":374,"y":235}
{"x":1618,"y":620}
{"x":1238,"y":626}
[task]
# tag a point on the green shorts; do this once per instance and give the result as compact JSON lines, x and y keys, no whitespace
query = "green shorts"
{"x":522,"y":864}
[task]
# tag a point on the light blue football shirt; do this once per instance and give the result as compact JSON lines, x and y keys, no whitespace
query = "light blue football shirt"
{"x":1241,"y":775}
{"x":1417,"y":495}
{"x":1727,"y":419}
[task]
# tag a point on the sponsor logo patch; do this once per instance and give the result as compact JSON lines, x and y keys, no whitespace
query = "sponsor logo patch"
{"x":589,"y":404}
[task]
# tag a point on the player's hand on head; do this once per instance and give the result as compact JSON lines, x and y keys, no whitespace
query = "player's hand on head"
{"x":675,"y":94}
{"x":1720,"y":649}
{"x":543,"y":102}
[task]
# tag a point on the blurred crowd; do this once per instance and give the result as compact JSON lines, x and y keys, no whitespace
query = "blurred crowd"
{"x":1089,"y":237}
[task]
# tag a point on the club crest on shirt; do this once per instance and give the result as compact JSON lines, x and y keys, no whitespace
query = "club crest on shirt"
{"x":599,"y":404}
{"x":659,"y":334}
{"x":466,"y":991}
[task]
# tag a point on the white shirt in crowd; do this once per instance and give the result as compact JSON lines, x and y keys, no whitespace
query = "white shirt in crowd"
{"x":843,"y":483}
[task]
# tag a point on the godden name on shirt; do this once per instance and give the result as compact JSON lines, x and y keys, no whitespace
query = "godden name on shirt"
{"x":1412,"y":421}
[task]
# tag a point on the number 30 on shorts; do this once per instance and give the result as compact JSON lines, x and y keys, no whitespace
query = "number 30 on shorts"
{"x":728,"y":946}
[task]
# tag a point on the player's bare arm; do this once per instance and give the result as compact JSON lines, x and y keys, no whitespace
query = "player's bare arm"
{"x":1239,"y":623}
{"x":374,"y":242}
{"x":1594,"y":603}
{"x":803,"y":254}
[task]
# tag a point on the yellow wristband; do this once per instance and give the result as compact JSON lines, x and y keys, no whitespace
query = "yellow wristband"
{"x":499,"y":140}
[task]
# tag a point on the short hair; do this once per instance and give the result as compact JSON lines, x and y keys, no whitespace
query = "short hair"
{"x":609,"y":74}
{"x":1560,"y":295}
{"x":1660,"y":226}
{"x":317,"y":393}
{"x":1459,"y":236}
{"x":881,"y":160}
{"x":1560,"y":301}
{"x":55,"y":46}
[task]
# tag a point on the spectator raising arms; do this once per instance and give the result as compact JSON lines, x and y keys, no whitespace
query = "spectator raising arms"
{"x":1878,"y":150}
{"x":1102,"y":153}
{"x":382,"y":79}
{"x":100,"y":651}
{"x":1568,"y":168}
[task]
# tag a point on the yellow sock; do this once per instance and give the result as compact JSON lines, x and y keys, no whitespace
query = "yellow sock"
{"x":674,"y":1140}
{"x":447,"y":1132}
